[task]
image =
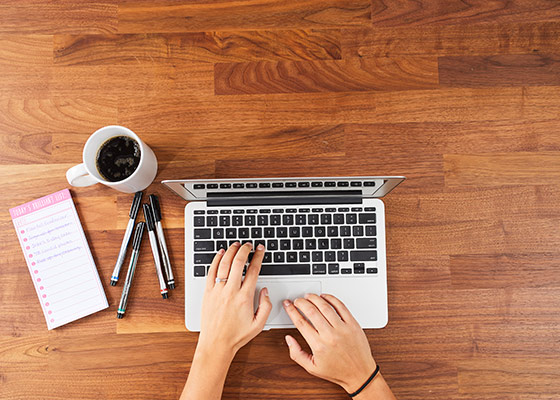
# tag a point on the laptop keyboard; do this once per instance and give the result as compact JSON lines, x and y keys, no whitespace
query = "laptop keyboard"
{"x":298,"y":240}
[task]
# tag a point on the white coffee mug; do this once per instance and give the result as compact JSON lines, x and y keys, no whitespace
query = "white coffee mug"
{"x":86,"y":174}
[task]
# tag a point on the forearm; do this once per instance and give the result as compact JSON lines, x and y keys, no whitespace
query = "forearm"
{"x":376,"y":390}
{"x":207,"y":375}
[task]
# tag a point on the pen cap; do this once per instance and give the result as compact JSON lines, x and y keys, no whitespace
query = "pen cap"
{"x":135,"y":204}
{"x":149,"y":217}
{"x":138,"y":235}
{"x":154,"y":201}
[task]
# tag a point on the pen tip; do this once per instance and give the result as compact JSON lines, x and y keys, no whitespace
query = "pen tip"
{"x":113,"y":283}
{"x":171,"y":286}
{"x":164,"y":295}
{"x":119,"y":316}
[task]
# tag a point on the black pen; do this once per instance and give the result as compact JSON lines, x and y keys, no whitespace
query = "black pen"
{"x":153,"y":243}
{"x":127,"y":234}
{"x":131,"y":268}
{"x":156,"y":210}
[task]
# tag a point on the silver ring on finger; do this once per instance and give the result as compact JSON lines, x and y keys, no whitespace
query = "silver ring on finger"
{"x":218,"y":280}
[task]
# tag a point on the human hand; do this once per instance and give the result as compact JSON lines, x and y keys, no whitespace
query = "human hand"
{"x":341,"y":351}
{"x":228,"y":318}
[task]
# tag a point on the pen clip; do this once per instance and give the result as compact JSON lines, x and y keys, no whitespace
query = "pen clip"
{"x":138,"y":235}
{"x":154,"y":201}
{"x":148,"y":216}
{"x":135,"y":205}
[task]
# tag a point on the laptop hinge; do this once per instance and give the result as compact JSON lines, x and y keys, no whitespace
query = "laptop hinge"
{"x":263,"y":201}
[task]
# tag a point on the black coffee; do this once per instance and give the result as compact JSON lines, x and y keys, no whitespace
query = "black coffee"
{"x":118,"y":158}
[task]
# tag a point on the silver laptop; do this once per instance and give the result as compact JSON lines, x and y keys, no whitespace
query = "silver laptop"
{"x":322,"y":235}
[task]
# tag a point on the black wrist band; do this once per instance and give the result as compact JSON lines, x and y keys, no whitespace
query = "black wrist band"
{"x":357,"y":392}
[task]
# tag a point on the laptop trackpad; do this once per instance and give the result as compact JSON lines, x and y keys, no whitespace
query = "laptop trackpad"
{"x":278,"y":291}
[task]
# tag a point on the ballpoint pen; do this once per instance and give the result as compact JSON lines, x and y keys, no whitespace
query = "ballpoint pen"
{"x":131,"y":268}
{"x":148,"y":216}
{"x":156,"y":210}
{"x":127,"y":235}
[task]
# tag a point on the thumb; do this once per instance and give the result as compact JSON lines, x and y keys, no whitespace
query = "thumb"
{"x":263,"y":310}
{"x":301,"y":357}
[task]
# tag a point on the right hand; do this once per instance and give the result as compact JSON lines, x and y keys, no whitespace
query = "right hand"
{"x":341,"y":351}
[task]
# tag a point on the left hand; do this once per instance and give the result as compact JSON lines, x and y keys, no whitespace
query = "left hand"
{"x":228,"y":318}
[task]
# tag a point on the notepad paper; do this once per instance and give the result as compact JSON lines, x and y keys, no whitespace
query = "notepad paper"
{"x":58,"y":258}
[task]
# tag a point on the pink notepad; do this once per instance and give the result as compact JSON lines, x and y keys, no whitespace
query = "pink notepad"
{"x":58,"y":258}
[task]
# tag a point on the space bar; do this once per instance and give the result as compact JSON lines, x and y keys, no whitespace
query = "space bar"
{"x":286,"y":269}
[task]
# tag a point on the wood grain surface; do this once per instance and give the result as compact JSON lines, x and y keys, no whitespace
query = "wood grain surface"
{"x":461,"y":97}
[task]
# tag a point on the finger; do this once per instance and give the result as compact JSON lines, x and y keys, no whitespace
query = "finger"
{"x":300,"y":356}
{"x":326,"y":309}
{"x":263,"y":310}
{"x":225,"y":263}
{"x":252,"y":274}
{"x":237,"y":265}
{"x":313,"y":314}
{"x":307,"y":331}
{"x":340,"y":308}
{"x":211,"y":278}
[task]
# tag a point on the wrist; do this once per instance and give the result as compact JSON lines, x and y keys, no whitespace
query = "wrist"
{"x":377,"y":389}
{"x":213,"y":355}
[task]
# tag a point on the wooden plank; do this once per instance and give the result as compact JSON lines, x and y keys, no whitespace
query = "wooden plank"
{"x":365,"y":74}
{"x":60,"y":16}
{"x":505,"y":270}
{"x":253,"y":14}
{"x":453,"y":40}
{"x":447,"y":12}
{"x":25,"y":148}
{"x":501,"y":70}
{"x":225,"y":46}
{"x":25,"y":50}
{"x":501,"y":169}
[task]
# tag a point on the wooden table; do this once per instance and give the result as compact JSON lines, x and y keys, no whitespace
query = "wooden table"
{"x":461,"y":97}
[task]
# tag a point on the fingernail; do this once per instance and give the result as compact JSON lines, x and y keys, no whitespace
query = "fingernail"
{"x":236,"y":244}
{"x":306,"y":296}
{"x":222,"y":251}
{"x":265,"y":292}
{"x":287,"y":303}
{"x":287,"y":339}
{"x":260,"y":247}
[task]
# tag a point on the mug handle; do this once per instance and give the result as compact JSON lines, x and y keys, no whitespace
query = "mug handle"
{"x":78,"y":176}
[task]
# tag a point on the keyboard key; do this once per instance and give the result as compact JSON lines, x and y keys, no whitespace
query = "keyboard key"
{"x":294,"y":231}
{"x":342,"y":184}
{"x":262,"y":220}
{"x":297,"y":244}
{"x":225,"y":220}
{"x":251,"y":185}
{"x":282,"y":232}
{"x":343,"y":209}
{"x":199,"y":211}
{"x":344,"y":231}
{"x":359,"y":268}
{"x":278,"y":211}
{"x":277,"y":185}
{"x":369,"y":209}
{"x":264,"y":185}
{"x":231,"y":233}
{"x":202,"y":233}
{"x":264,"y":211}
{"x":287,"y":219}
{"x":319,"y":269}
{"x":371,"y":270}
{"x":237,"y":220}
{"x":212,"y":221}
{"x":238,"y":185}
{"x":357,"y":230}
{"x":286,"y":269}
{"x":291,"y":256}
{"x":199,"y":186}
{"x":330,"y":184}
{"x":369,"y":183}
{"x":290,"y":184}
{"x":317,"y":256}
{"x":212,"y":186}
{"x":323,"y":244}
{"x":304,"y":256}
{"x":342,"y":255}
{"x":300,"y":219}
{"x":336,"y":244}
{"x":249,"y":220}
{"x":252,"y":211}
{"x":203,"y":245}
{"x":358,"y":255}
{"x":338,"y":219}
{"x":267,"y":257}
{"x":330,"y":256}
{"x":225,"y":185}
{"x":225,"y":211}
{"x":326,"y":219}
{"x":371,"y":230}
{"x":367,"y":218}
{"x":333,"y":268}
{"x":303,"y":184}
{"x":351,"y":219}
{"x":231,"y":242}
{"x":198,"y":221}
{"x":221,"y":244}
{"x":278,"y":257}
{"x":285,"y":244}
{"x":356,"y":209}
{"x":307,"y":231}
{"x":332,"y":231}
{"x":291,"y":210}
{"x":310,"y":244}
{"x":355,"y":183}
{"x":256,"y":233}
{"x":316,"y":184}
{"x":272,"y":244}
{"x":320,"y":231}
{"x":218,"y":233}
{"x":203,"y":258}
{"x":199,"y":270}
{"x":317,"y":210}
{"x":313,"y":219}
{"x":366,"y":243}
{"x":257,"y":242}
{"x":239,"y":211}
{"x":348,"y":243}
{"x":268,"y":232}
{"x":346,"y":271}
{"x":275,"y":220}
{"x":243,"y":233}
{"x":212,"y":211}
